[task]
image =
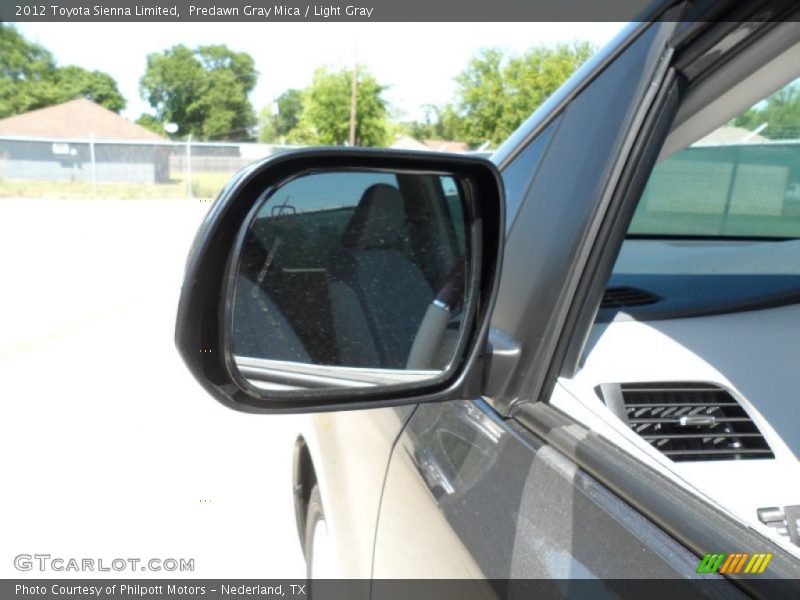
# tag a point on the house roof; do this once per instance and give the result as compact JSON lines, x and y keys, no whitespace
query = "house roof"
{"x":79,"y":118}
{"x":446,"y":145}
{"x":405,"y":142}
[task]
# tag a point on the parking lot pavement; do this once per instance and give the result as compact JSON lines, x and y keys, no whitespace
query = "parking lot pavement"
{"x":110,"y":449}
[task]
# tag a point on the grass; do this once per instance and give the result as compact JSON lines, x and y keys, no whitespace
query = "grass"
{"x":205,"y":186}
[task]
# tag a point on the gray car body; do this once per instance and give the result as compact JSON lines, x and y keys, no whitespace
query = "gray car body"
{"x":468,"y":488}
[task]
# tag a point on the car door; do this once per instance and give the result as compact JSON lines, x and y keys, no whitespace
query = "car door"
{"x":471,"y":495}
{"x":477,"y":482}
{"x":497,"y":498}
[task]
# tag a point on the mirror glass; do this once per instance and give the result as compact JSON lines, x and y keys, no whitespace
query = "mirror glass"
{"x":351,"y":279}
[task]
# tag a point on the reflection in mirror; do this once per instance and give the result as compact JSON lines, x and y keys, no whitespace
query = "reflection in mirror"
{"x":351,"y":279}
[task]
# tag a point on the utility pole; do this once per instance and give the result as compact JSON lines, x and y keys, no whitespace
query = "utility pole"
{"x":353,"y":105}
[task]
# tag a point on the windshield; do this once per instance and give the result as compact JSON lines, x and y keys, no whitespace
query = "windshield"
{"x":740,"y":181}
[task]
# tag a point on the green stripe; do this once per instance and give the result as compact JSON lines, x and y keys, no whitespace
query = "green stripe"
{"x":719,"y":562}
{"x":711,"y":563}
{"x":703,"y":567}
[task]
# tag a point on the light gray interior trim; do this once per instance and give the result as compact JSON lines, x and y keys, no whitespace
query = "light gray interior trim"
{"x":262,"y":369}
{"x":772,"y":61}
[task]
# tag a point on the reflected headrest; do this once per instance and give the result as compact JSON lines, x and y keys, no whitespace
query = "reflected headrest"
{"x":378,"y":221}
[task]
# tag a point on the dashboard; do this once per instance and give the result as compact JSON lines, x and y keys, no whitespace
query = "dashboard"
{"x":715,"y":342}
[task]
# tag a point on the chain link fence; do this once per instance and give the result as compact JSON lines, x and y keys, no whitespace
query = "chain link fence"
{"x":739,"y":189}
{"x":76,"y":168}
{"x":124,"y":169}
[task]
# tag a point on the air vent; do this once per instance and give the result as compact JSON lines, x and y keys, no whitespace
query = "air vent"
{"x":692,"y":421}
{"x":627,"y":297}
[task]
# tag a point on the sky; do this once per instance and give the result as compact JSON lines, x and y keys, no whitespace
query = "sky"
{"x":418,"y":61}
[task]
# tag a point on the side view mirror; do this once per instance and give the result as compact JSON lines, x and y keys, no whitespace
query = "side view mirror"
{"x":344,"y":278}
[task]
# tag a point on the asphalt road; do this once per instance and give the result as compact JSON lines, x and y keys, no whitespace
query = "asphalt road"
{"x":109,"y":447}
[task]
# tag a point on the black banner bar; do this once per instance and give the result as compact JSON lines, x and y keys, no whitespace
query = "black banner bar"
{"x":348,"y":10}
{"x":711,"y":586}
{"x":265,"y":11}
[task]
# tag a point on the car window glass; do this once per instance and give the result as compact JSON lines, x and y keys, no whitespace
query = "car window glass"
{"x":314,"y":209}
{"x":742,"y":180}
{"x":339,"y":268}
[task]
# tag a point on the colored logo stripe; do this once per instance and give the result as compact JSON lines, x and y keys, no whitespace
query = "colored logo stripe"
{"x":722,"y":562}
{"x":758,"y":563}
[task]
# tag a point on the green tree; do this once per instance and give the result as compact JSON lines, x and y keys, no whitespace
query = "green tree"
{"x":30,"y":79}
{"x":325,"y":118}
{"x":99,"y":87}
{"x":495,"y":94}
{"x":290,"y":106}
{"x":21,"y":59}
{"x":203,"y":91}
{"x":151,"y":123}
{"x":439,"y":123}
{"x":780,"y":113}
{"x":275,"y":127}
{"x":25,"y":74}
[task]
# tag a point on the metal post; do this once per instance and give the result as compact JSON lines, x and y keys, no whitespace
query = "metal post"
{"x":353,"y":88}
{"x":189,"y":165}
{"x":723,"y":226}
{"x":94,"y":165}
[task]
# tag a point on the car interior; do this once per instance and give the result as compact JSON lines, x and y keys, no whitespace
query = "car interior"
{"x":691,"y":363}
{"x":335,"y":250}
{"x":370,"y":245}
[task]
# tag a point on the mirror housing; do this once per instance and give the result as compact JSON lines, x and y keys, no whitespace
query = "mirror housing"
{"x":203,"y":327}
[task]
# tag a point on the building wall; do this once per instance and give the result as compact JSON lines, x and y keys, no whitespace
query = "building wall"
{"x":54,"y":160}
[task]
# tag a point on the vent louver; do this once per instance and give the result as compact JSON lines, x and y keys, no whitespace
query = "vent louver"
{"x":627,"y":297}
{"x":692,"y":421}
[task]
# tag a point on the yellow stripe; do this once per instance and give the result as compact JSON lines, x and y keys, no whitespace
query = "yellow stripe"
{"x":755,"y":563}
{"x":767,"y":558}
